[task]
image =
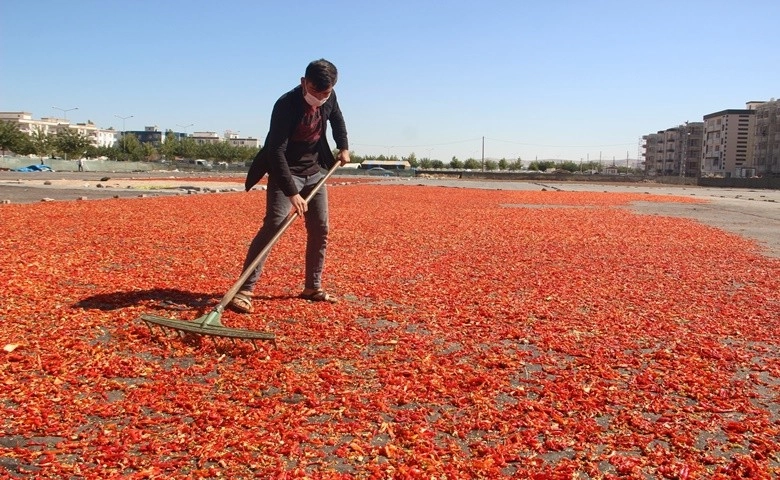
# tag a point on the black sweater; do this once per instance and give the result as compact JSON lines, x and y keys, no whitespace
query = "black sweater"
{"x":287,"y":114}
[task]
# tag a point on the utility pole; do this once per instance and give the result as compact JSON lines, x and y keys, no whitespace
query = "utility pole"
{"x":483,"y":153}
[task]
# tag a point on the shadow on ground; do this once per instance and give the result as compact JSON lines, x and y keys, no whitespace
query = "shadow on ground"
{"x":166,"y":298}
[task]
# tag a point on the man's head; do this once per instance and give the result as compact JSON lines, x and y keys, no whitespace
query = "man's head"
{"x":321,"y":75}
{"x":318,"y":82}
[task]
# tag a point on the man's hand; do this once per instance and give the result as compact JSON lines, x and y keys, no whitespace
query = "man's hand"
{"x":343,"y":157}
{"x":298,"y":204}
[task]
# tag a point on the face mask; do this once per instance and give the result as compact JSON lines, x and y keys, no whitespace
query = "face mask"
{"x":314,"y":101}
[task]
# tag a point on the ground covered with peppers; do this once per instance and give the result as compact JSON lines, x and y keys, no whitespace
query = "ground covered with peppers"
{"x":480,"y":334}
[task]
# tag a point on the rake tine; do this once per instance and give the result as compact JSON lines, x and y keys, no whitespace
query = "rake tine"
{"x":254,"y":344}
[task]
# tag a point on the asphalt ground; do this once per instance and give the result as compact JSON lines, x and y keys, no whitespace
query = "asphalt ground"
{"x":754,"y":214}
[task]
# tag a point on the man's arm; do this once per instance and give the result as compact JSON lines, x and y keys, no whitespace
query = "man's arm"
{"x":338,"y":125}
{"x":278,"y":136}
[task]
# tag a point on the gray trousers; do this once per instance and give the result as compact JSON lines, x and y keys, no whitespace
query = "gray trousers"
{"x":277,"y":209}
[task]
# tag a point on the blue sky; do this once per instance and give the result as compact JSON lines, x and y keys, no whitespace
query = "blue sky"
{"x":554,"y":79}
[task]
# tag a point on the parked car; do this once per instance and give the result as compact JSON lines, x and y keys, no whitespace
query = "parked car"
{"x":380,"y":171}
{"x":203,"y":163}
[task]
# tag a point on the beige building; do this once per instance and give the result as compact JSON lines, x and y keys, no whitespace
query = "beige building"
{"x":764,"y":148}
{"x":51,"y":126}
{"x":202,"y":138}
{"x":233,"y":139}
{"x":726,"y":144}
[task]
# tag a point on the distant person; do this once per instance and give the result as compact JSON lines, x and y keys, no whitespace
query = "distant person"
{"x":295,"y":151}
{"x":81,"y":164}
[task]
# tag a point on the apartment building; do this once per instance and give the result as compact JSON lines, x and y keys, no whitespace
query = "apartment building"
{"x":725,"y":152}
{"x":764,"y":148}
{"x":691,"y":141}
{"x":675,"y":151}
{"x":233,"y":139}
{"x":51,"y":126}
{"x":151,"y":135}
{"x":653,"y":145}
{"x":202,"y":138}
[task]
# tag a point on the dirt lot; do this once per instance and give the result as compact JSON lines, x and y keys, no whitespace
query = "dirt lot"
{"x":753,"y":214}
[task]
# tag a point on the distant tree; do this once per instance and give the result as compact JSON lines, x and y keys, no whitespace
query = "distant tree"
{"x":472,"y":164}
{"x":188,"y":148}
{"x":42,"y":144}
{"x":412,"y":159}
{"x":491,"y":165}
{"x":568,"y":166}
{"x":93,"y":151}
{"x":456,"y":164}
{"x":71,"y":143}
{"x":503,"y":164}
{"x":149,"y":152}
{"x":516,"y":165}
{"x":438,"y":164}
{"x":541,"y":165}
{"x":425,"y":162}
{"x":10,"y":136}
{"x":130,"y":148}
{"x":169,"y":146}
{"x":25,"y":146}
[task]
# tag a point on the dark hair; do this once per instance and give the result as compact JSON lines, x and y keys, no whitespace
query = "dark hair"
{"x":322,"y":74}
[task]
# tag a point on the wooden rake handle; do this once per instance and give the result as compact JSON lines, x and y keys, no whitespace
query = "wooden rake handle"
{"x":282,"y":228}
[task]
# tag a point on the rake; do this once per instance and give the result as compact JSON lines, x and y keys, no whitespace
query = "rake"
{"x":210,"y":324}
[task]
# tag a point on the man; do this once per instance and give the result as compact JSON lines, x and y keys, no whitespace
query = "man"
{"x":295,"y":150}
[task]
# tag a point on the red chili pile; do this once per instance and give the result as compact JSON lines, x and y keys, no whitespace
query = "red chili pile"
{"x":480,"y":334}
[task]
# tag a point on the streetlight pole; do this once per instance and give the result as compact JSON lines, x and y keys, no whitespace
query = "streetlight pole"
{"x":65,"y":110}
{"x":123,"y":121}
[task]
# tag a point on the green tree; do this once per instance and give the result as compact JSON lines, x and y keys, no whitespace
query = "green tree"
{"x":11,"y":137}
{"x":42,"y":144}
{"x":456,"y":164}
{"x":71,"y":142}
{"x":491,"y":165}
{"x":541,"y":165}
{"x":412,"y":159}
{"x":472,"y":164}
{"x":188,"y":148}
{"x":503,"y":164}
{"x":437,"y":164}
{"x":149,"y":152}
{"x":568,"y":166}
{"x":169,"y":146}
{"x":130,"y":148}
{"x":516,"y":165}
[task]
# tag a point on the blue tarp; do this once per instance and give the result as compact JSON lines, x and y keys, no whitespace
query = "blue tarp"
{"x":34,"y":168}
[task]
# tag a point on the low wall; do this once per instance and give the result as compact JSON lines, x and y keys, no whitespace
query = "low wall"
{"x":532,"y":176}
{"x":771,"y":183}
{"x":765,"y":183}
{"x":58,"y":165}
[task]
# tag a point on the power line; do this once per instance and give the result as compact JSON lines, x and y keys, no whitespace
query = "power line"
{"x":559,"y":146}
{"x":418,"y":146}
{"x":455,"y":142}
